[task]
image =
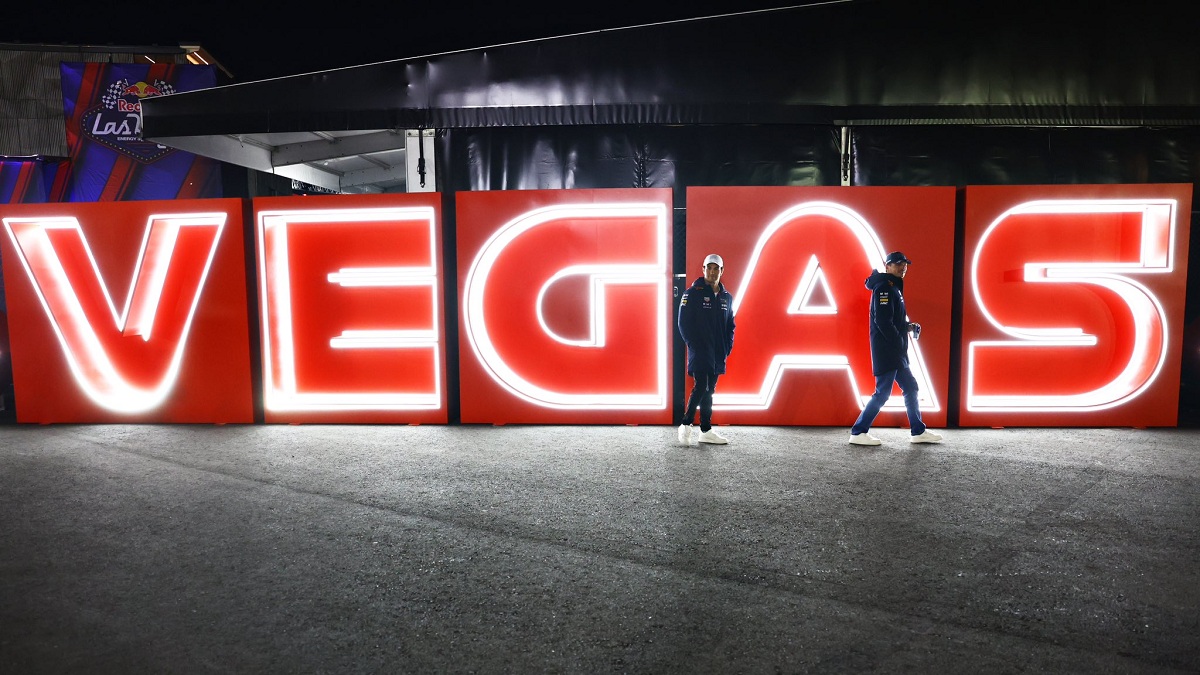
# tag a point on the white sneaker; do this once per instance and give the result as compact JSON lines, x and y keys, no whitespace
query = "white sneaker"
{"x":685,"y":434}
{"x":926,"y":437}
{"x":864,"y":439}
{"x":711,"y":436}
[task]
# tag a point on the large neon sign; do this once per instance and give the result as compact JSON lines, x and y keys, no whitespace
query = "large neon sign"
{"x":127,"y":360}
{"x":1075,"y":313}
{"x":1072,"y":305}
{"x":565,"y":305}
{"x":351,"y":302}
{"x":796,"y":259}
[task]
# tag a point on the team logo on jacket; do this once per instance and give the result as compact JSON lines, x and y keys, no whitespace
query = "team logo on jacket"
{"x":883,"y":298}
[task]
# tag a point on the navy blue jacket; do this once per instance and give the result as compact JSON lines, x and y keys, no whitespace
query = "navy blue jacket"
{"x":889,"y":323}
{"x":706,"y":324}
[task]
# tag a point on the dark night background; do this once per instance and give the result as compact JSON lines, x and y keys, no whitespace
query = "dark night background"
{"x":256,"y":41}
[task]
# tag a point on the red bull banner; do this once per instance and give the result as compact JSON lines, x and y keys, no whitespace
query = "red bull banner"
{"x":30,"y":180}
{"x":109,"y":159}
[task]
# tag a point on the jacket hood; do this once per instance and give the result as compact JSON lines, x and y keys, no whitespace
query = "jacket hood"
{"x":701,"y":282}
{"x":879,"y":279}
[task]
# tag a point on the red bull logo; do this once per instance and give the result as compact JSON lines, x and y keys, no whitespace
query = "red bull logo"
{"x":132,"y":95}
{"x":117,"y":121}
{"x":142,"y":90}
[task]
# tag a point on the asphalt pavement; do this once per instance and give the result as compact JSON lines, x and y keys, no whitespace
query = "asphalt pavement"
{"x":596,"y":549}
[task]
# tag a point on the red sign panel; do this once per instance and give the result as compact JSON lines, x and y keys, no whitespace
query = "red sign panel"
{"x":796,"y":259}
{"x":1073,"y":304}
{"x":128,"y":312}
{"x":351,"y":302}
{"x":565,"y":306}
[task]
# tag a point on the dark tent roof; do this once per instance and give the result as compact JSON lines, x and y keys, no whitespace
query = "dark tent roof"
{"x":850,"y":63}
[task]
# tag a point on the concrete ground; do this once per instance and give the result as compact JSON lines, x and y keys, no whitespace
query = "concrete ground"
{"x":531,"y":549}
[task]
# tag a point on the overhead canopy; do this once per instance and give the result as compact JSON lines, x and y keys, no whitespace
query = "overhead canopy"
{"x":850,"y":63}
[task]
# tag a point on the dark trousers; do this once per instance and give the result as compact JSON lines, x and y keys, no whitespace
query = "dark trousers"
{"x":883,"y":391}
{"x":702,"y":394}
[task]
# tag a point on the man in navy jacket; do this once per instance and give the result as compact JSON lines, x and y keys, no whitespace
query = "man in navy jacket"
{"x":889,"y":352}
{"x":706,"y":325}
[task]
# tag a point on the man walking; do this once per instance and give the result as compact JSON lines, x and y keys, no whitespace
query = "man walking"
{"x":890,"y":328}
{"x":706,"y":324}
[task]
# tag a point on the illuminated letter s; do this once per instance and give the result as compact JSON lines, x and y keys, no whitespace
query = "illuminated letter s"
{"x":1084,"y":334}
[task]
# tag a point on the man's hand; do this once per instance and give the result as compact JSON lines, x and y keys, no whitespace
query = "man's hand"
{"x":915,"y":329}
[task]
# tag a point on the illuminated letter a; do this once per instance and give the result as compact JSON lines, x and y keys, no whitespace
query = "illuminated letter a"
{"x":802,"y":307}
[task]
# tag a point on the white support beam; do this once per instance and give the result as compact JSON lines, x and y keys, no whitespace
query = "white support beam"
{"x":368,"y":176}
{"x":311,"y":175}
{"x":224,"y":149}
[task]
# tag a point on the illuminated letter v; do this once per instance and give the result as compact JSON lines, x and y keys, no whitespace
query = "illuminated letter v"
{"x":128,"y":362}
